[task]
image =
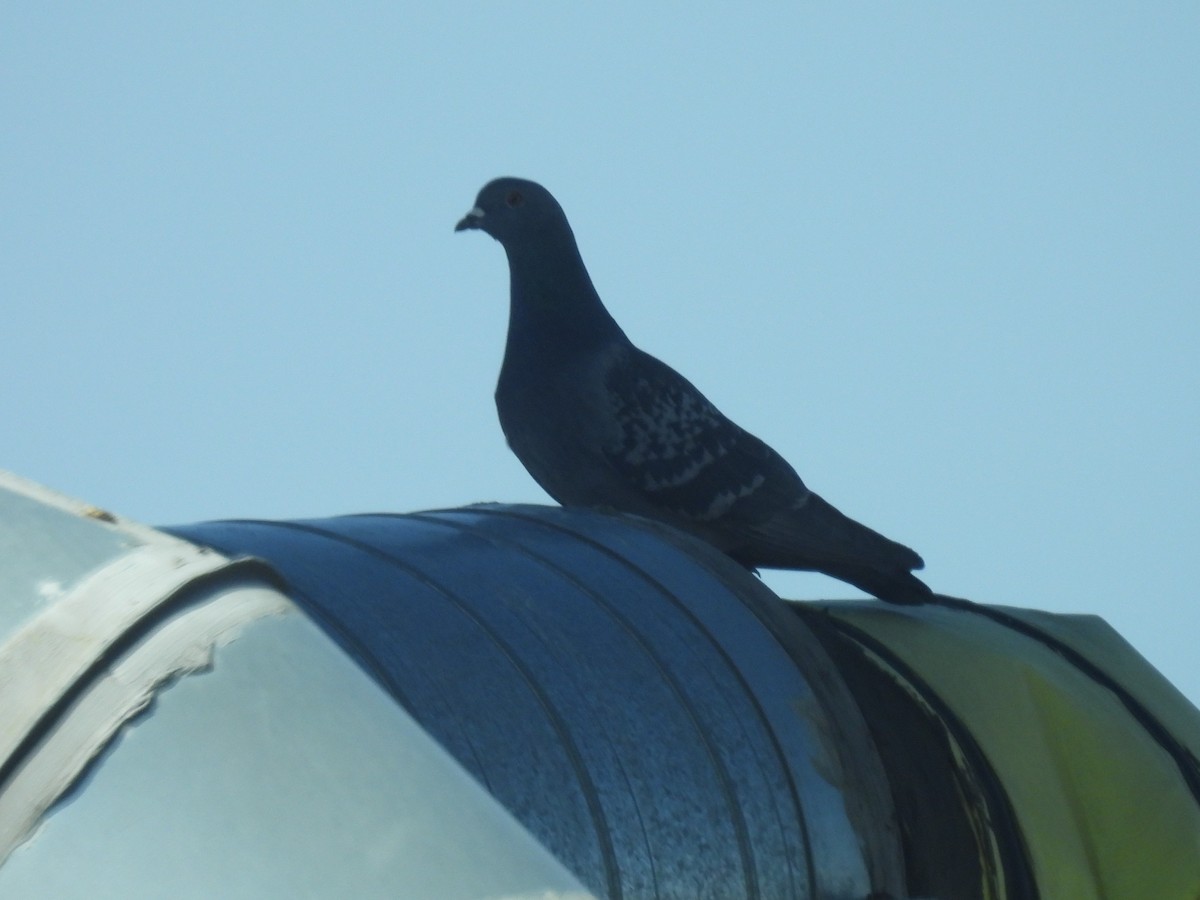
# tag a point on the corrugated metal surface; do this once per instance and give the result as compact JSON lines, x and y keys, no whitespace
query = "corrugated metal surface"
{"x":654,"y":716}
{"x":645,"y":707}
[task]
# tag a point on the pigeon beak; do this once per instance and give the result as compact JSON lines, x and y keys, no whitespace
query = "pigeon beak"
{"x":470,"y":220}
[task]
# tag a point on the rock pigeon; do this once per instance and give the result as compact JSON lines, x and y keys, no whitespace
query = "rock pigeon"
{"x":599,"y":423}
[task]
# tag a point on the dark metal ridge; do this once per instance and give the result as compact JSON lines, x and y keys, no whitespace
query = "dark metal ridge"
{"x":1002,"y":823}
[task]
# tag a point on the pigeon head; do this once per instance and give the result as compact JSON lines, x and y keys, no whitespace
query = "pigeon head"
{"x":554,"y":310}
{"x":513,"y":209}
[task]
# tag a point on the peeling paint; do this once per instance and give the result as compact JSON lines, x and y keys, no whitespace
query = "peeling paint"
{"x":92,"y":657}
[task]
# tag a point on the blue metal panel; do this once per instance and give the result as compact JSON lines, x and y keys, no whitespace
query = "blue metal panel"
{"x":644,"y":706}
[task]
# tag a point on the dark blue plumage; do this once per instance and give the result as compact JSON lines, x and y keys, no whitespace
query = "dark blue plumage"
{"x":599,"y":423}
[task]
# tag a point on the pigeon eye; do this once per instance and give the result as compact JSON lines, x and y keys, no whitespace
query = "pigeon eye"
{"x":514,"y":198}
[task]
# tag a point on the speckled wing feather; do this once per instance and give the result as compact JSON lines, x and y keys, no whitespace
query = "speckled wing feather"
{"x":683,"y":455}
{"x":686,"y":459}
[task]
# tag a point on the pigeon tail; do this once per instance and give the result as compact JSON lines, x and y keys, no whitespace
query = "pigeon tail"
{"x":816,"y":536}
{"x":902,"y":588}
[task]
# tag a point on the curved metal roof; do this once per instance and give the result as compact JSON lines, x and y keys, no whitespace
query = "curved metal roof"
{"x":653,"y":715}
{"x":644,"y":706}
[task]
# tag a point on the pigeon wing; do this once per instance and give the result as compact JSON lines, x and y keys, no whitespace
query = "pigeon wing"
{"x":684,"y":458}
{"x":676,"y":450}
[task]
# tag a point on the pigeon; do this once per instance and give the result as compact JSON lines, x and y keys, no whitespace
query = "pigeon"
{"x":599,"y":423}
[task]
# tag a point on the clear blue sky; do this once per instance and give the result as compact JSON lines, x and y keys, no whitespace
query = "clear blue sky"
{"x":945,"y":259}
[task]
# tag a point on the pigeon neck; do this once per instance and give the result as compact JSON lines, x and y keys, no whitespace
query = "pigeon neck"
{"x":555,"y":312}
